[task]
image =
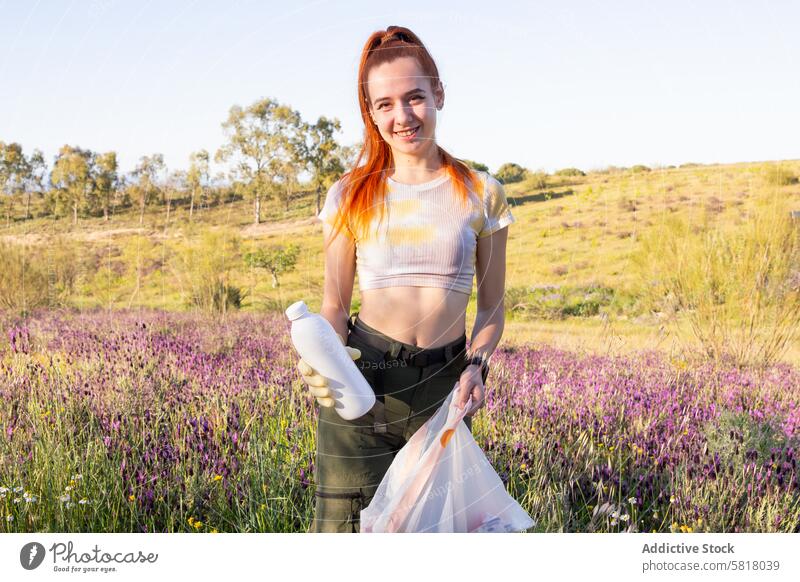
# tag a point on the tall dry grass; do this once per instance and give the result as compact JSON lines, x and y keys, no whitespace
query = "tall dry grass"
{"x":739,"y":286}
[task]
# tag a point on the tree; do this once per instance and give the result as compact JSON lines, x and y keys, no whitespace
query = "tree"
{"x":72,"y":178}
{"x":285,"y":181}
{"x":261,"y":140}
{"x":146,"y":187}
{"x":510,"y":173}
{"x":197,"y":177}
{"x":275,"y":260}
{"x":476,"y":166}
{"x":14,"y":170}
{"x":321,"y":155}
{"x":37,"y":172}
{"x":106,"y":179}
{"x":175,"y":185}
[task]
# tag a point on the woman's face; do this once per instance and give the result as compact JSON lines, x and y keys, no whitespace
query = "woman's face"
{"x":401,"y":98}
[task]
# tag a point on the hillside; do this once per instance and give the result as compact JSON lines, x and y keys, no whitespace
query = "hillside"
{"x":572,"y":238}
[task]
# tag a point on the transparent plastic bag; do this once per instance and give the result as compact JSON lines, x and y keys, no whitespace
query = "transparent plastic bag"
{"x":441,"y":481}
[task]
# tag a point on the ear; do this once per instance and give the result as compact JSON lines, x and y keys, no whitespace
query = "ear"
{"x":438,"y":95}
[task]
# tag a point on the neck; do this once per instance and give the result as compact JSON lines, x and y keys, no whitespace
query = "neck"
{"x":417,"y":169}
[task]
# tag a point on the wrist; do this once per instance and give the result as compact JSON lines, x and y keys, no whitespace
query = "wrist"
{"x":480,"y":363}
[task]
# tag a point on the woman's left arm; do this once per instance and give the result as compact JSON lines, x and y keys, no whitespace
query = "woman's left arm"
{"x":490,"y":272}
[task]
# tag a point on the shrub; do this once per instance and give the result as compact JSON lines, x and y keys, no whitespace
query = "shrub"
{"x":476,"y":165}
{"x":639,"y":168}
{"x":203,"y":270}
{"x":569,"y":172}
{"x":275,"y":260}
{"x":32,"y":277}
{"x":778,"y":175}
{"x":510,"y":173}
{"x":558,"y":302}
{"x":535,"y":181}
{"x":217,"y":296}
{"x":738,"y":287}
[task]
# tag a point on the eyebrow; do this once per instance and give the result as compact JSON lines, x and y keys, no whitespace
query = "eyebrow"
{"x":407,"y":93}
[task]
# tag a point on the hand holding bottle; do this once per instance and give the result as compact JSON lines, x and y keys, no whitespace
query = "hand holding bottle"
{"x":317,"y":383}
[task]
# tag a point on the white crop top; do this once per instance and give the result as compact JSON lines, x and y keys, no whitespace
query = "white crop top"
{"x":428,"y":237}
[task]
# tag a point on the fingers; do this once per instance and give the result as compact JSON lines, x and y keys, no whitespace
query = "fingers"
{"x":321,"y":392}
{"x":304,"y":368}
{"x":326,"y":402}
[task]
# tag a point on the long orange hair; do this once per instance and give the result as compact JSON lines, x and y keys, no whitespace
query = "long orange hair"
{"x":364,"y":186}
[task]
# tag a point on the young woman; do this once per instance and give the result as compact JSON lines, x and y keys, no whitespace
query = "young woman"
{"x":419,"y":225}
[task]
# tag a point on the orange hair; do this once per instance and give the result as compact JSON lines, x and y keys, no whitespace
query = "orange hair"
{"x":364,"y":186}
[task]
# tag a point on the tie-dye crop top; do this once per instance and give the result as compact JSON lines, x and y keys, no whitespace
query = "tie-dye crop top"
{"x":428,"y":237}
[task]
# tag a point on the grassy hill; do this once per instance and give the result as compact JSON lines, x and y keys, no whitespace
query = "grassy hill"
{"x":571,"y":280}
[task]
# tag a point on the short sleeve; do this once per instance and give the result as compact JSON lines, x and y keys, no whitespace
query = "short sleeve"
{"x":333,"y":201}
{"x":497,"y":213}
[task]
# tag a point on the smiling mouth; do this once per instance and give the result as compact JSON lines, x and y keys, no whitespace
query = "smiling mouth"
{"x":407,"y":133}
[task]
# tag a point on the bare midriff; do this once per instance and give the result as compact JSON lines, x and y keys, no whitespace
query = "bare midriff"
{"x":426,"y":317}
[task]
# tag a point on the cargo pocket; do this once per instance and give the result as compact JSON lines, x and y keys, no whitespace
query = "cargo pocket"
{"x":337,"y":512}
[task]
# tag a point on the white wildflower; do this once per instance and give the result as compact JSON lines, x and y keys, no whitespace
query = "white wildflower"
{"x":9,"y":518}
{"x":68,"y":488}
{"x":84,"y":501}
{"x":17,"y":489}
{"x":625,"y":517}
{"x":77,"y":476}
{"x":64,"y":498}
{"x":632,"y":500}
{"x":613,"y":522}
{"x":3,"y":489}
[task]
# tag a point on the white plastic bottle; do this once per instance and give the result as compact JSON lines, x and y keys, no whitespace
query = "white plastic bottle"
{"x":317,"y":343}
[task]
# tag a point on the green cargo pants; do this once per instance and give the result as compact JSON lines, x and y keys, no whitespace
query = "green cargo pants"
{"x":354,"y":455}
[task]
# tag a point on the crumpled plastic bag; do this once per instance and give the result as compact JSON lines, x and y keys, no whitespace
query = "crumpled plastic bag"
{"x":441,"y":481}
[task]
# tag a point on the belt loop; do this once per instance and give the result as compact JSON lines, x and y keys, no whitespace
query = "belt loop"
{"x":394,"y":349}
{"x":448,"y":353}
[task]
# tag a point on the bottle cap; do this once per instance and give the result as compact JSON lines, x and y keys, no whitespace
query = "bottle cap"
{"x":296,"y":310}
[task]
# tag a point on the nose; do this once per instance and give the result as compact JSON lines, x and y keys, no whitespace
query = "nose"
{"x":406,"y":115}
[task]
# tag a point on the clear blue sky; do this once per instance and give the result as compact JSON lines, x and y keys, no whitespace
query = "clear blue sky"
{"x":546,"y":84}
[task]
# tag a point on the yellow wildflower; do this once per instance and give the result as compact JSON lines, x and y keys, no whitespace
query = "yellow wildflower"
{"x":191,"y":521}
{"x":131,"y":498}
{"x":214,"y":530}
{"x":198,"y":524}
{"x":217,"y":477}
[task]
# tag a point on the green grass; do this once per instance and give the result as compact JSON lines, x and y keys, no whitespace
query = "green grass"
{"x":579,"y":232}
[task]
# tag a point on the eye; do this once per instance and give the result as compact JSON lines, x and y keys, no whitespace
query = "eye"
{"x":417,"y":98}
{"x":383,"y":106}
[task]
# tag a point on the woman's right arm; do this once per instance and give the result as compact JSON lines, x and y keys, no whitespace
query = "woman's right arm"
{"x":340,"y":266}
{"x":340,"y":272}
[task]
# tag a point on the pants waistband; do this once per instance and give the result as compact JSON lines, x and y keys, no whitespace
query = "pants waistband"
{"x":394,"y":349}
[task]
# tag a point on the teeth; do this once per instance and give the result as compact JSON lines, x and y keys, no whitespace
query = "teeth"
{"x":406,"y":133}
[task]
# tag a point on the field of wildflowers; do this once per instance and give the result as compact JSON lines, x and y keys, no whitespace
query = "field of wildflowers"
{"x":148,"y":421}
